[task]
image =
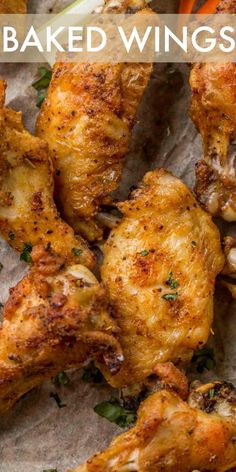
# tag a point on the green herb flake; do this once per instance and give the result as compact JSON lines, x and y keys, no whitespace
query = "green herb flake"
{"x":42,"y":84}
{"x":1,"y":267}
{"x":172,"y":282}
{"x":114,"y":412}
{"x":61,"y":379}
{"x":57,"y":399}
{"x":170,"y":297}
{"x":204,"y":359}
{"x":25,"y":255}
{"x":92,"y":374}
{"x":11,"y":235}
{"x":144,"y":253}
{"x":211,"y":393}
{"x":193,"y":243}
{"x":76,"y":251}
{"x":40,"y":97}
{"x":50,"y":470}
{"x":44,"y":80}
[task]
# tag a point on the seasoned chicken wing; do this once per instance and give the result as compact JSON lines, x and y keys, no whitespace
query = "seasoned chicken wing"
{"x":213,"y":110}
{"x":174,"y":436}
{"x":160,"y":265}
{"x":28,"y":214}
{"x":13,"y":6}
{"x":55,"y":318}
{"x":87,"y":120}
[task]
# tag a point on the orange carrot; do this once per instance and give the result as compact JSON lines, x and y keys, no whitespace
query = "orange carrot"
{"x":209,"y":7}
{"x":186,"y":6}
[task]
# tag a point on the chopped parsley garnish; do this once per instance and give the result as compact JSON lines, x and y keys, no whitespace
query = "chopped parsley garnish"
{"x":76,"y":251}
{"x":25,"y":255}
{"x":204,"y":359}
{"x":50,"y":470}
{"x":170,"y":297}
{"x":193,"y":243}
{"x":40,"y":97}
{"x":57,"y":399}
{"x":211,"y":393}
{"x":144,"y":253}
{"x":172,"y":282}
{"x":1,"y":266}
{"x":92,"y":374}
{"x":114,"y":412}
{"x":42,"y":84}
{"x":61,"y":379}
{"x":44,"y":80}
{"x":11,"y":235}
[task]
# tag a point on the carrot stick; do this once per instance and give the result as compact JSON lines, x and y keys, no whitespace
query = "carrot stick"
{"x":209,"y":7}
{"x":186,"y":6}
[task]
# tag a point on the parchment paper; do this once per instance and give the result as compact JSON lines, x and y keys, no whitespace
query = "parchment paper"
{"x":36,"y":434}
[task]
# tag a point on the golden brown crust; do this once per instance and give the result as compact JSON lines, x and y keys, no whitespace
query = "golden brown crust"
{"x":27,"y":210}
{"x":228,"y":274}
{"x":57,"y":316}
{"x":54,"y":319}
{"x":87,"y":120}
{"x":171,"y":436}
{"x":172,"y":378}
{"x":227,"y":7}
{"x":229,"y":246}
{"x":160,"y":265}
{"x":13,"y":6}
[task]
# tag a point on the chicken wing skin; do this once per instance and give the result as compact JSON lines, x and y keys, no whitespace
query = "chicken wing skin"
{"x":13,"y":6}
{"x":55,"y":318}
{"x":174,"y":436}
{"x":87,"y":119}
{"x":213,"y":110}
{"x":160,"y":265}
{"x":27,"y":210}
{"x":229,"y":244}
{"x":228,"y":274}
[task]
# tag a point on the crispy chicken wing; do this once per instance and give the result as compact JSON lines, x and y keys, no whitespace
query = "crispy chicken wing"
{"x":174,"y":436}
{"x":13,"y":6}
{"x":27,"y":210}
{"x":55,"y":319}
{"x":160,"y":265}
{"x":57,"y":316}
{"x":213,"y":110}
{"x":87,"y":120}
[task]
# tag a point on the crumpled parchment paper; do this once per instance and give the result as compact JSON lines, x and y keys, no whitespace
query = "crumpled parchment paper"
{"x":36,"y":434}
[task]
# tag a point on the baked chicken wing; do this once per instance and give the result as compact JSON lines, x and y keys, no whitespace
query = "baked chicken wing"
{"x":28,"y":214}
{"x":175,"y":436}
{"x":213,"y":110}
{"x":13,"y":6}
{"x":87,"y":120}
{"x":56,"y":318}
{"x":160,"y":265}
